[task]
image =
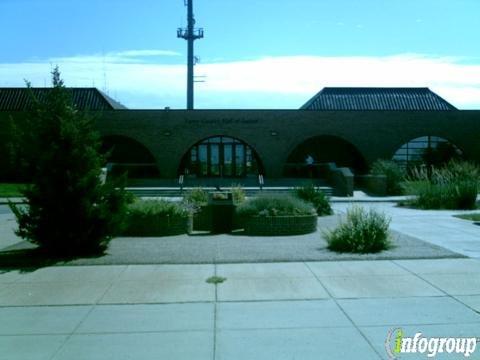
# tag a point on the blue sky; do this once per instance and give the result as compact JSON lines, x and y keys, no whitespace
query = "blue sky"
{"x":256,"y":54}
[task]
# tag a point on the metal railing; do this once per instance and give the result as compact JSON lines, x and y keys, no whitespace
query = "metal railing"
{"x":181,"y":179}
{"x":261,"y":181}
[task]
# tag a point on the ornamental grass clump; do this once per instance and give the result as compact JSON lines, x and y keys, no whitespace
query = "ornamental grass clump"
{"x":195,"y":198}
{"x":316,"y":197}
{"x":155,"y":218}
{"x":275,"y":205}
{"x":238,"y":194}
{"x":454,"y":186}
{"x":361,"y":232}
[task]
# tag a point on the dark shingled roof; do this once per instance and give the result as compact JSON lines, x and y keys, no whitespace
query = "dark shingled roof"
{"x":18,"y":99}
{"x":422,"y":99}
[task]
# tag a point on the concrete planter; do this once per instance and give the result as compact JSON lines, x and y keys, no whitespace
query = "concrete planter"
{"x":202,"y":219}
{"x":205,"y":217}
{"x":159,"y":226}
{"x":280,"y":225}
{"x":222,"y":210}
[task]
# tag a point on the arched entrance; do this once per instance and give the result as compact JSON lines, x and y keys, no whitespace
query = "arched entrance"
{"x":314,"y":152}
{"x":126,"y":155}
{"x":220,"y":157}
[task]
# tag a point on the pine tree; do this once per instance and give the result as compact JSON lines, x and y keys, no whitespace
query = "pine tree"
{"x":69,"y":212}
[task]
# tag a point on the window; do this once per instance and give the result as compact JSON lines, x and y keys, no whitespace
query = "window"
{"x":221,"y":156}
{"x":413,"y":152}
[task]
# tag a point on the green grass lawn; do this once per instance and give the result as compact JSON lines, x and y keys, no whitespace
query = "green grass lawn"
{"x":471,"y":217}
{"x":10,"y":190}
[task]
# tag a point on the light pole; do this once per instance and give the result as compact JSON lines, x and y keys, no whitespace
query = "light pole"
{"x":190,"y":34}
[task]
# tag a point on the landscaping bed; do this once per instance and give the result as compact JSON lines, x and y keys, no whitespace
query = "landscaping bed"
{"x":454,"y":186}
{"x":275,"y":215}
{"x":238,"y":248}
{"x":149,"y":218}
{"x":264,"y":215}
{"x":198,"y":200}
{"x":280,"y":225}
{"x":472,"y":217}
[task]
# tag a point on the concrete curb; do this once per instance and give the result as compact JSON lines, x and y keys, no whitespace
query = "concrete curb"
{"x":15,"y":200}
{"x":386,"y":199}
{"x":5,"y":201}
{"x":333,"y":199}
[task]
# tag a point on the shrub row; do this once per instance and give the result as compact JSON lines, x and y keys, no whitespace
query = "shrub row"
{"x":267,"y":215}
{"x":295,"y":213}
{"x":316,"y":197}
{"x":454,"y":186}
{"x":275,"y":205}
{"x":157,"y":218}
{"x":394,"y":174}
{"x":197,"y":197}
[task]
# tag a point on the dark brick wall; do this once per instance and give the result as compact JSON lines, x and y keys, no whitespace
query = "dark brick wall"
{"x":274,"y":134}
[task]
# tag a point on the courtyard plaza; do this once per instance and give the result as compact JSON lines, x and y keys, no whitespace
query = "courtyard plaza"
{"x":275,"y":310}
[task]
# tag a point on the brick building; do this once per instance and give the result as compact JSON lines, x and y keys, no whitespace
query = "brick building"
{"x":350,"y":127}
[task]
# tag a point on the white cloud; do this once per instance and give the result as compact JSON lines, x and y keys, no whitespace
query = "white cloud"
{"x":143,"y":53}
{"x":270,"y":82}
{"x":127,"y":56}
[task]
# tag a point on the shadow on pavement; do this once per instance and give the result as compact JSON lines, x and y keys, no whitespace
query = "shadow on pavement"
{"x":25,"y":258}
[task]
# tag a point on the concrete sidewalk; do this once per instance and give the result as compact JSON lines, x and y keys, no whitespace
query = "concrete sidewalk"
{"x":296,"y":310}
{"x":313,"y":310}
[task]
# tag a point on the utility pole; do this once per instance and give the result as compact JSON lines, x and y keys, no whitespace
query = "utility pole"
{"x":190,"y":34}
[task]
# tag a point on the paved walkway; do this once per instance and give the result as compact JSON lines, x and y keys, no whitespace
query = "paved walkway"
{"x":317,"y":310}
{"x":7,"y":228}
{"x":437,"y":227}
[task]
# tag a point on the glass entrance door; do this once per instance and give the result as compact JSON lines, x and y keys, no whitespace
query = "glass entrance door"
{"x":239,"y":159}
{"x":203,"y":160}
{"x":215,"y":164}
{"x":221,"y":156}
{"x":228,"y":160}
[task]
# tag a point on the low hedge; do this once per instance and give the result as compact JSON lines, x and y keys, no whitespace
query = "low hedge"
{"x":157,"y":218}
{"x":275,"y":205}
{"x":394,"y":174}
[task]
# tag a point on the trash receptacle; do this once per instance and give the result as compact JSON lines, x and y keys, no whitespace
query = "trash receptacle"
{"x":222,"y":210}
